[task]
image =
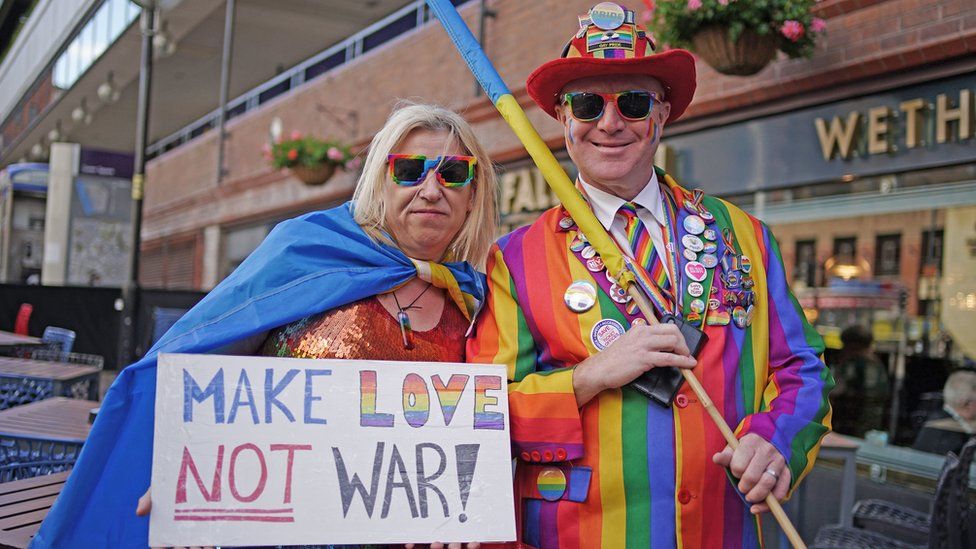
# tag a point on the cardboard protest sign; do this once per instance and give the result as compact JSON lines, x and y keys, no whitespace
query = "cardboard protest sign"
{"x":269,"y":451}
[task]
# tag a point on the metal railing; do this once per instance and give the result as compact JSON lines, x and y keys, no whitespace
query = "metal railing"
{"x":406,"y":19}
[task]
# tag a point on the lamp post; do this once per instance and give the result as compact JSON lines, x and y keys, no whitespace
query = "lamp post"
{"x":130,"y":291}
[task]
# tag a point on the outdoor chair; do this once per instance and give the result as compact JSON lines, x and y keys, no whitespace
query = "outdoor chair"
{"x":24,"y":449}
{"x":61,"y":339}
{"x":20,"y":471}
{"x":70,"y":358}
{"x":23,"y":318}
{"x":950,"y":525}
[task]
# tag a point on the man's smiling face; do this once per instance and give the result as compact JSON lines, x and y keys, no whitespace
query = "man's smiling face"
{"x":612,"y":153}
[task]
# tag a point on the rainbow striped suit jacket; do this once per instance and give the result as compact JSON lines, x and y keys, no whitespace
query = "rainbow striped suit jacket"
{"x":640,"y":475}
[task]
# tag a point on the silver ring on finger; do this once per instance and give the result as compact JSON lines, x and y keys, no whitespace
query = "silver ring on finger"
{"x":772,"y":473}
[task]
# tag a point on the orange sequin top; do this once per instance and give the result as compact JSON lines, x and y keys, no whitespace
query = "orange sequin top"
{"x":364,"y":330}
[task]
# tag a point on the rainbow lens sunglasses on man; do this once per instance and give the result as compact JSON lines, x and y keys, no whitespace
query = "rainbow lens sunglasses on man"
{"x":451,"y":171}
{"x":589,"y":106}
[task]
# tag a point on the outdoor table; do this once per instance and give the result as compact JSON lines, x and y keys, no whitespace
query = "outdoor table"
{"x":42,"y":437}
{"x":24,"y":380}
{"x":24,"y":504}
{"x":9,"y":339}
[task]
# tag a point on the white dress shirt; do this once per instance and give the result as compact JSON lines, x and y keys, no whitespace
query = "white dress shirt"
{"x":650,"y":212}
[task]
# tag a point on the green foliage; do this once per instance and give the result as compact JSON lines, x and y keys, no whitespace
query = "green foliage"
{"x":675,"y":22}
{"x":311,"y":152}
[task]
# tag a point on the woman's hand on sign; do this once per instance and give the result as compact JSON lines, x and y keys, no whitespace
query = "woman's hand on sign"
{"x":439,"y":545}
{"x":642,"y":348}
{"x":144,"y":507}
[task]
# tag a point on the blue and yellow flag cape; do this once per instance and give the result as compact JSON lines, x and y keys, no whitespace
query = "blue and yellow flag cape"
{"x":307,"y":265}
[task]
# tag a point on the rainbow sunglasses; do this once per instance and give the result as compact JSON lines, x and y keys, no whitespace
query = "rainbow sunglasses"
{"x":452,"y":172}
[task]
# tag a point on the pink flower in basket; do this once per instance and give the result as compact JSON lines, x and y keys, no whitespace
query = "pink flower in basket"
{"x":334,"y":154}
{"x":818,"y":25}
{"x":694,"y":4}
{"x":792,"y":30}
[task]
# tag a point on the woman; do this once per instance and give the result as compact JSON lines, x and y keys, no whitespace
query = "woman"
{"x":425,"y":197}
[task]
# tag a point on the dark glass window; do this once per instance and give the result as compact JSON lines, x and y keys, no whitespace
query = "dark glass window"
{"x":887,"y":255}
{"x":806,"y":263}
{"x":390,"y":31}
{"x":845,"y":249}
{"x":931,"y":263}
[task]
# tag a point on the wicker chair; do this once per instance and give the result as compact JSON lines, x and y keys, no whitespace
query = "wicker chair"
{"x":71,"y":358}
{"x":19,"y":471}
{"x":951,"y":525}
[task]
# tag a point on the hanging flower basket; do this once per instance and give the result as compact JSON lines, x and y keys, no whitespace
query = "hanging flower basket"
{"x":311,"y":160}
{"x":737,"y":37}
{"x":315,"y":175}
{"x":743,"y":57}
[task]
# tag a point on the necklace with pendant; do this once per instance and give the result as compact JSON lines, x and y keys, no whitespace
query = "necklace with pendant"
{"x":404,"y":320}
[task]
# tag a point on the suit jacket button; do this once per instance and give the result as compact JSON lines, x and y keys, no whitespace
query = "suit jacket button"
{"x":525,"y":456}
{"x":681,"y":401}
{"x":684,"y":496}
{"x":547,"y":456}
{"x":536,"y":456}
{"x":560,"y":454}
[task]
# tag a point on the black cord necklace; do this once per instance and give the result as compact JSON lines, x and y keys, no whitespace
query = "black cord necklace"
{"x":404,"y":320}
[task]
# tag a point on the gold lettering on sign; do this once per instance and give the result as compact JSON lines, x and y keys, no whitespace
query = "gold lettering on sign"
{"x":507,"y":184}
{"x":962,"y":115}
{"x":878,"y":130}
{"x":524,"y":193}
{"x":913,"y":125}
{"x":838,"y":136}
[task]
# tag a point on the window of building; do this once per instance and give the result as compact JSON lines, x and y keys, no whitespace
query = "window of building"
{"x":887,"y":255}
{"x":845,"y":249}
{"x":805,"y":270}
{"x":931,"y":253}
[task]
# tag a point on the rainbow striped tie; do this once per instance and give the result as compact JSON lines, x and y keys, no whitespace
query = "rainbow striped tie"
{"x":643,"y":247}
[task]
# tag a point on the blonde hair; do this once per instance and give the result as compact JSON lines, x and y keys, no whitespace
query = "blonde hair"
{"x":478,"y":231}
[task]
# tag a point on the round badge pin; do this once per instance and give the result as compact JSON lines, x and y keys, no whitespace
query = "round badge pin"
{"x":692,"y":242}
{"x":697,"y":306}
{"x":606,"y":332}
{"x":710,"y":234}
{"x":577,"y":245}
{"x":567,"y":223}
{"x":632,"y":309}
{"x":638,"y":322}
{"x":690,"y":255}
{"x":714,"y":304}
{"x":588,"y":252}
{"x":690,"y":206}
{"x":610,"y":277}
{"x":580,"y":296}
{"x":619,"y":294}
{"x":551,"y":483}
{"x":696,"y":271}
{"x":607,"y":16}
{"x":694,"y":224}
{"x":595,"y":264}
{"x":709,"y":261}
{"x":695,"y":289}
{"x":710,"y":248}
{"x":706,"y":215}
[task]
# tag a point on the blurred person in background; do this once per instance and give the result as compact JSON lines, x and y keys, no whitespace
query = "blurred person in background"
{"x":948,"y":429}
{"x":863,"y":389}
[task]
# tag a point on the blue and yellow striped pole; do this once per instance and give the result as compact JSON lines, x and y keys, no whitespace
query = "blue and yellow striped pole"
{"x":554,"y":174}
{"x":510,"y":110}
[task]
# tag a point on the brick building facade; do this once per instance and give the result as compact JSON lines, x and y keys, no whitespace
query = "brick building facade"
{"x":197,"y":228}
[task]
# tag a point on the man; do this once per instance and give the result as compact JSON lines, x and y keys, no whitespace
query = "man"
{"x":948,"y":429}
{"x":598,"y":463}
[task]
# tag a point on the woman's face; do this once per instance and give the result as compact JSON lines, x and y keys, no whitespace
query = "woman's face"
{"x":425,"y":218}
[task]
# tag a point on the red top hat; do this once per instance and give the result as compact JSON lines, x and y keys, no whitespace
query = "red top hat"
{"x":610,"y":43}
